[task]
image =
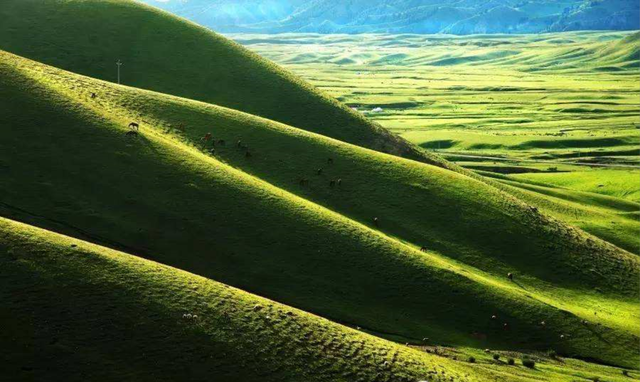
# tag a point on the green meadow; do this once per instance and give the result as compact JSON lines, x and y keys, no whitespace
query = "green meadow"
{"x":561,"y":111}
{"x":253,"y":228}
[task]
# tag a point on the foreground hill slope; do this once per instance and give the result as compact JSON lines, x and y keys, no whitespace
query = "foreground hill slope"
{"x":162,"y":197}
{"x":164,"y":53}
{"x":79,"y":311}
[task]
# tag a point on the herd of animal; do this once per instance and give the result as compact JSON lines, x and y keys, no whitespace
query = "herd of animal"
{"x":209,"y":144}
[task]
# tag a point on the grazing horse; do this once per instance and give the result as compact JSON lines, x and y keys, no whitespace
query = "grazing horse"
{"x":134,"y":126}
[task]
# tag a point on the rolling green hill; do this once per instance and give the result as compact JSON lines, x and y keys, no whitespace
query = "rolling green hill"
{"x":78,"y":311}
{"x":164,"y":53}
{"x":248,"y":223}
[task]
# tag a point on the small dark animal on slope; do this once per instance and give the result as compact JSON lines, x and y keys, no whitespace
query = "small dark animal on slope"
{"x":134,"y":126}
{"x":375,"y":222}
{"x":423,"y":249}
{"x":510,"y":276}
{"x":93,"y":95}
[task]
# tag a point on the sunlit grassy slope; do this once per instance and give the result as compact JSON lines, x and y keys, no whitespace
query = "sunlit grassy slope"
{"x":78,"y":311}
{"x":613,"y":219}
{"x":254,"y":227}
{"x":164,"y":53}
{"x":73,"y":310}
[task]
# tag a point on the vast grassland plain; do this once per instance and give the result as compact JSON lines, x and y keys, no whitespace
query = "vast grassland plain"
{"x":556,"y":115}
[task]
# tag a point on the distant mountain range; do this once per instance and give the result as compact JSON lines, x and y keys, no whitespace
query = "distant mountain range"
{"x":407,"y":16}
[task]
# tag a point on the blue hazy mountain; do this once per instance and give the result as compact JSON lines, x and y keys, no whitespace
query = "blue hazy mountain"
{"x":407,"y":16}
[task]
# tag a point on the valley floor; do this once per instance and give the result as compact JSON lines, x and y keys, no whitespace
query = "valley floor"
{"x":560,"y":112}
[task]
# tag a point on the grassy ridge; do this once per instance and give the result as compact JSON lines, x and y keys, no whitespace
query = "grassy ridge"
{"x":164,"y":199}
{"x":76,"y":310}
{"x":449,"y":203}
{"x":170,"y":55}
{"x":88,"y":312}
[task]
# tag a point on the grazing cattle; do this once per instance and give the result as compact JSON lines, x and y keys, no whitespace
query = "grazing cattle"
{"x":239,"y":144}
{"x":212,"y":151}
{"x":332,"y":183}
{"x":339,"y":182}
{"x":510,"y":276}
{"x":131,"y":133}
{"x":506,"y":326}
{"x":319,"y":171}
{"x":93,"y":95}
{"x":494,"y":317}
{"x":134,"y":126}
{"x":423,"y":249}
{"x":330,"y":161}
{"x":376,"y":222}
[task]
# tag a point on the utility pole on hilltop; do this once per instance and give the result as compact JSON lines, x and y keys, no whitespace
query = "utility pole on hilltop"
{"x":119,"y":63}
